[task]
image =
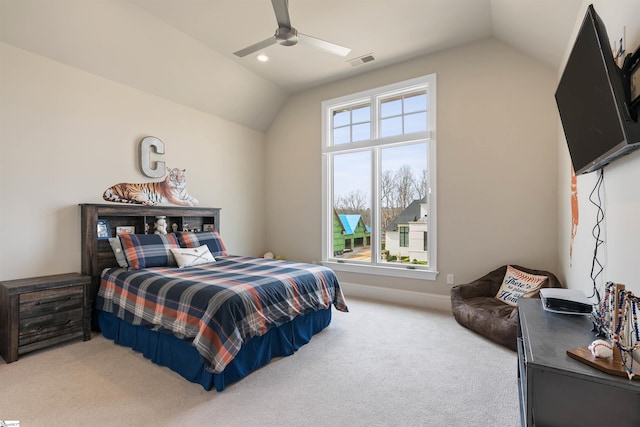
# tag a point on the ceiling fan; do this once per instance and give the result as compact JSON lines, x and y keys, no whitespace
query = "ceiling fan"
{"x":286,"y":35}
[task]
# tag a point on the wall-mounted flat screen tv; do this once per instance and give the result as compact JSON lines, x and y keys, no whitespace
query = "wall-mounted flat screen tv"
{"x":593,"y":99}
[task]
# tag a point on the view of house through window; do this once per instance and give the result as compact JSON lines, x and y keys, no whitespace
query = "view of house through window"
{"x":352,"y":205}
{"x":403,"y":203}
{"x":378,"y":167}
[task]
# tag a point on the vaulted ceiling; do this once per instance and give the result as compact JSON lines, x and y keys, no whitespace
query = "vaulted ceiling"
{"x":182,"y":50}
{"x":391,"y":30}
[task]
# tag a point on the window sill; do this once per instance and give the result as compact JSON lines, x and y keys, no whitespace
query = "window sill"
{"x":407,"y":273}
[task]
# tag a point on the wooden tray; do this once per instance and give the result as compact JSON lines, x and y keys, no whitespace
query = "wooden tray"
{"x":611,"y":366}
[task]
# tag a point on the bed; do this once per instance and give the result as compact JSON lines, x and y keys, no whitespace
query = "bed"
{"x":211,"y":322}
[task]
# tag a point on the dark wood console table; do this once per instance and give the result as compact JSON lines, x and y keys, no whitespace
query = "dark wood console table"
{"x":556,"y":390}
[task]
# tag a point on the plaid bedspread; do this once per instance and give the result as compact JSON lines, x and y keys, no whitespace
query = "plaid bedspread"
{"x":219,"y":305}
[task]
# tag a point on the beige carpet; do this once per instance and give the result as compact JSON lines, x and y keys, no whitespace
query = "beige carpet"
{"x":379,"y":365}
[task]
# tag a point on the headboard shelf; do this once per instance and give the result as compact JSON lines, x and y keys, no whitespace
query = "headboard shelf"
{"x":97,"y":254}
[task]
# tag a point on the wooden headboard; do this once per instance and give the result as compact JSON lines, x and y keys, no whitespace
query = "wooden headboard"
{"x":97,"y":253}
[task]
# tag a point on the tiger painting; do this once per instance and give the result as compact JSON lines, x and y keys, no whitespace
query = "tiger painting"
{"x":152,"y":193}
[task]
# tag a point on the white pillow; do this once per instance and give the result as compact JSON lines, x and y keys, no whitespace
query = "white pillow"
{"x":518,"y":284}
{"x":188,"y":257}
{"x":116,"y":246}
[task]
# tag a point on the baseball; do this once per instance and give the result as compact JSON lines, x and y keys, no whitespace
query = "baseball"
{"x":601,"y":349}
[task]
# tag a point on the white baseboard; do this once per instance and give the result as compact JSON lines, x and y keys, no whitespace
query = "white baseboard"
{"x":397,"y":296}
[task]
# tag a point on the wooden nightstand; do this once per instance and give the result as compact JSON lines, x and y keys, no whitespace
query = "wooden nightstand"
{"x":42,"y":311}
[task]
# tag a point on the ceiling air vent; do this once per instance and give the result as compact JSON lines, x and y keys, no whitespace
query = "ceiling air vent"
{"x":362,"y":60}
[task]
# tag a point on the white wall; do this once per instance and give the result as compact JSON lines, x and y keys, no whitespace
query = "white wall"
{"x":497,"y":165}
{"x":66,"y":135}
{"x":621,"y":228}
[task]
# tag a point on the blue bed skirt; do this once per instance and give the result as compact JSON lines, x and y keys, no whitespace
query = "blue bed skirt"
{"x":181,"y":357}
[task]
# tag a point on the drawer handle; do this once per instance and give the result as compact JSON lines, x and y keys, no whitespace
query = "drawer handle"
{"x":61,"y":299}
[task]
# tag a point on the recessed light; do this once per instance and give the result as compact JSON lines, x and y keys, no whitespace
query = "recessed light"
{"x":262,"y":57}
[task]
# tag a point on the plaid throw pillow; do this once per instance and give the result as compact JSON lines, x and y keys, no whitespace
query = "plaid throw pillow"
{"x":195,"y":240}
{"x":149,"y":250}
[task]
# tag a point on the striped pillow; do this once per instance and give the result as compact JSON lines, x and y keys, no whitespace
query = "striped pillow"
{"x":195,"y":240}
{"x":149,"y":250}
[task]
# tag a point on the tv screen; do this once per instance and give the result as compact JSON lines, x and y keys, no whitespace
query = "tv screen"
{"x":592,"y":101}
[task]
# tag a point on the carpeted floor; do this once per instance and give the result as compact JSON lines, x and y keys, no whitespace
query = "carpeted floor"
{"x":379,"y":365}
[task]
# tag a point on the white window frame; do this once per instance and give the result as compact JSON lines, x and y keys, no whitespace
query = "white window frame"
{"x":373,"y":96}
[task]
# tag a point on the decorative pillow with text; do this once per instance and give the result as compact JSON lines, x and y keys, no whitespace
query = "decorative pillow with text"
{"x":518,"y":284}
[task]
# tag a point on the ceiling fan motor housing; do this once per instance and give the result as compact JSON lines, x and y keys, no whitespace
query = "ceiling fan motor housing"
{"x":287,"y":36}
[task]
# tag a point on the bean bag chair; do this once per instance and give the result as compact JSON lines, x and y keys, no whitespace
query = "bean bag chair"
{"x":488,"y":305}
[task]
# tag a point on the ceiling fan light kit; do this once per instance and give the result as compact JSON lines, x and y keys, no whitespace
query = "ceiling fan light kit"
{"x":286,"y":35}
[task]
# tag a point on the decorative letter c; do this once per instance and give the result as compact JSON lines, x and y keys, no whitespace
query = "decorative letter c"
{"x":145,"y":157}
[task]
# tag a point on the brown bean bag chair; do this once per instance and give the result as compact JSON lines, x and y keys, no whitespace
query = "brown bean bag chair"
{"x":475,"y":307}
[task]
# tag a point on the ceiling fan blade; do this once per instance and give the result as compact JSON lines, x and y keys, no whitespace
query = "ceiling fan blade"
{"x":281,"y":9}
{"x":324,"y":45}
{"x":256,"y":47}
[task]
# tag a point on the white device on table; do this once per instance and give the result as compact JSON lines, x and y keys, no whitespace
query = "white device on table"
{"x":565,"y":301}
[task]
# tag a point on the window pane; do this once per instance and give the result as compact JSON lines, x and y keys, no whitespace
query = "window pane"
{"x":403,"y":203}
{"x":341,"y":118}
{"x":361,"y":132}
{"x":416,"y":122}
{"x":413,"y":103}
{"x":341,"y":135}
{"x":361,"y":114}
{"x":390,"y":127}
{"x":352,"y":124}
{"x":391,"y":107}
{"x":352,"y":206}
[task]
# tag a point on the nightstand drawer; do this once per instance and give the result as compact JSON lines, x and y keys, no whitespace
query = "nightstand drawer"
{"x":47,"y":326}
{"x":34,"y":327}
{"x":38,"y":303}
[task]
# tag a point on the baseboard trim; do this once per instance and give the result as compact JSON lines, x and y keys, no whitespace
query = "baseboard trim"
{"x":397,"y":296}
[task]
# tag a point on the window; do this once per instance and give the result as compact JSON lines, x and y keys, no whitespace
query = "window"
{"x":379,"y":180}
{"x":404,"y":237}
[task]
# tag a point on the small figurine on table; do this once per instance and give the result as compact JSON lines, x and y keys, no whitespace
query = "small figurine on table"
{"x":160,"y":225}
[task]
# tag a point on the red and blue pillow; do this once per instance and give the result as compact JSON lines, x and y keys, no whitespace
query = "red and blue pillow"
{"x":149,"y":250}
{"x":195,"y":240}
